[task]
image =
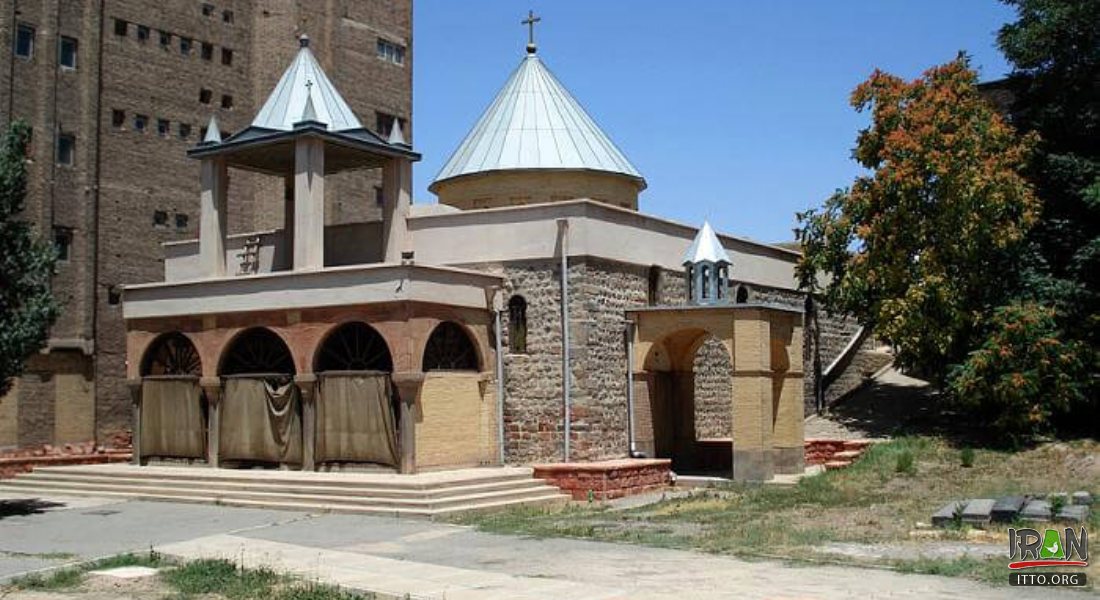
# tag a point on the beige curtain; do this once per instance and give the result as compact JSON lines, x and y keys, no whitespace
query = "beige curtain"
{"x":261,"y":420}
{"x":172,"y":423}
{"x":355,"y":420}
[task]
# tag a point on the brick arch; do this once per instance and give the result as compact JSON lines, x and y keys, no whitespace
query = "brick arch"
{"x":187,"y":356}
{"x":386,"y":362}
{"x":470,"y":338}
{"x":272,"y":334}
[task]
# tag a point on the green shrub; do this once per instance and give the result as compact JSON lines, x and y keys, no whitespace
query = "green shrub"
{"x":904,"y":463}
{"x":1025,"y":377}
{"x":967,"y":457}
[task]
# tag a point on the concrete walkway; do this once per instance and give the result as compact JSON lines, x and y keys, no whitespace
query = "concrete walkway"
{"x":433,"y":560}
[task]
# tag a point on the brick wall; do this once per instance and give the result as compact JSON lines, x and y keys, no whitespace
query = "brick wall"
{"x":456,"y":424}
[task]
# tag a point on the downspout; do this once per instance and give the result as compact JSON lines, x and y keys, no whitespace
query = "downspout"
{"x":563,"y":232}
{"x":500,"y":384}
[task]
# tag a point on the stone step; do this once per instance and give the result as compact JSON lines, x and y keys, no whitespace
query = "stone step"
{"x":837,"y":464}
{"x":411,"y":502}
{"x":204,"y":476}
{"x":363,"y":489}
{"x":847,"y":455}
{"x":551,"y":498}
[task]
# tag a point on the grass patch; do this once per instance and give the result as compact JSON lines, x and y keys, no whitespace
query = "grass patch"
{"x":872,"y":502}
{"x":224,"y":579}
{"x":59,"y":579}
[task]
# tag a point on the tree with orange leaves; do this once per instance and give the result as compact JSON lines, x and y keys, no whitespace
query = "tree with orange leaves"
{"x":922,"y":248}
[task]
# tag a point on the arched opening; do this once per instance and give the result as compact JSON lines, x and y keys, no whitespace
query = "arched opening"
{"x":517,"y":325}
{"x":257,"y":351}
{"x":171,"y":354}
{"x":173,"y":414}
{"x":261,"y":412}
{"x":353,"y":346}
{"x":357,"y":410}
{"x":689,"y":381}
{"x":742,"y":294}
{"x":450,"y":348}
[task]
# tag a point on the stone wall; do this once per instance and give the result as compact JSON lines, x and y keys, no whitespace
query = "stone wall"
{"x":713,"y":388}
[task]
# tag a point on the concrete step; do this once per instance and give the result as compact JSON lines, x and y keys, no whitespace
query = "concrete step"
{"x":410,"y":502}
{"x":837,"y":464}
{"x":548,"y":496}
{"x":847,"y":455}
{"x":373,"y":490}
{"x":205,"y":476}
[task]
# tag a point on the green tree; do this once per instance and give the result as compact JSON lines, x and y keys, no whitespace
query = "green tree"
{"x":27,"y":308}
{"x":922,"y":248}
{"x":1054,"y":91}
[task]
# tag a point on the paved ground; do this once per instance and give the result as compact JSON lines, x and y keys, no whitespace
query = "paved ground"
{"x":887,"y":405}
{"x":431,"y":560}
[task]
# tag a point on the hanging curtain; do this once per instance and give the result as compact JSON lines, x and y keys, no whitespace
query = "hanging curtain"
{"x":172,"y":423}
{"x":355,"y":420}
{"x":261,"y":420}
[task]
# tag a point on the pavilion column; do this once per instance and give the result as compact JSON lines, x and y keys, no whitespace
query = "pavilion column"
{"x":396,"y":200}
{"x":212,"y":224}
{"x":212,"y":389}
{"x":307,"y":386}
{"x":752,"y":397}
{"x":309,"y":204}
{"x":408,"y":392}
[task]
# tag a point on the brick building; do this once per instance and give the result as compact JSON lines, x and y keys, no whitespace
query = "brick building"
{"x":115,"y":92}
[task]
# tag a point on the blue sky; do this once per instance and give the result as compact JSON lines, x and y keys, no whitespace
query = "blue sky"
{"x":736,"y":112}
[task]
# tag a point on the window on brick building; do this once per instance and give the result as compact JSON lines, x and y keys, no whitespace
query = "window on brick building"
{"x":163,"y":127}
{"x":227,"y":101}
{"x":184,"y":130}
{"x":185,"y":46}
{"x":62,"y":242}
{"x":202,"y":133}
{"x":227,"y":16}
{"x":653,"y":287}
{"x":379,"y":195}
{"x":66,"y":149}
{"x":140,"y":122}
{"x":517,"y":325}
{"x":118,"y":118}
{"x":227,"y":56}
{"x":114,"y":295}
{"x":207,"y":9}
{"x":390,"y":52}
{"x":383,"y":123}
{"x":160,"y":219}
{"x":205,"y":96}
{"x":742,"y":296}
{"x":66,"y":52}
{"x":24,"y":41}
{"x":181,"y":221}
{"x":207,"y":51}
{"x":121,"y":27}
{"x":165,"y":39}
{"x":142,"y":33}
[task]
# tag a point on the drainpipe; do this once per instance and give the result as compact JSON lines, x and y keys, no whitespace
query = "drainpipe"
{"x":563,"y":232}
{"x":500,"y":384}
{"x":630,"y":387}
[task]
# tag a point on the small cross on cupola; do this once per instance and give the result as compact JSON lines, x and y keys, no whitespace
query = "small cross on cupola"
{"x":707,"y":269}
{"x":530,"y":23}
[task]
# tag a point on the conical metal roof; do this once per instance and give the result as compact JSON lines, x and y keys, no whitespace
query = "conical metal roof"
{"x":303,"y":86}
{"x":535,"y":123}
{"x":706,"y":247}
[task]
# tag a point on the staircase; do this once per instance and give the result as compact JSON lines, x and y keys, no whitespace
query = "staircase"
{"x":383,"y":494}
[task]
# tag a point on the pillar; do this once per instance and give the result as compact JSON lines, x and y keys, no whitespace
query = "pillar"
{"x":135,"y":402}
{"x":307,"y":386}
{"x":284,"y":253}
{"x":788,"y":453}
{"x":212,"y":220}
{"x":408,"y":391}
{"x":752,"y":397}
{"x":309,"y":204}
{"x":396,"y":200}
{"x":212,"y":389}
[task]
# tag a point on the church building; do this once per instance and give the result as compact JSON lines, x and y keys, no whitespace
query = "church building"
{"x":534,"y":314}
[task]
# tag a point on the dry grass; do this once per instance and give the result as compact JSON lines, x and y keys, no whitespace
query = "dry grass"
{"x":870,"y":502}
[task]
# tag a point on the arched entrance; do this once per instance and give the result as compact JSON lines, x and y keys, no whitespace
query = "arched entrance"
{"x":173,"y":417}
{"x":357,"y":412}
{"x":261,"y":413}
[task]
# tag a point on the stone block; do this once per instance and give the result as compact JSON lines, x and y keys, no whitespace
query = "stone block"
{"x":1082,"y":498}
{"x":1074,"y":513}
{"x":978,"y":511}
{"x":946,"y":515}
{"x":1006,"y":508}
{"x":1036,"y":510}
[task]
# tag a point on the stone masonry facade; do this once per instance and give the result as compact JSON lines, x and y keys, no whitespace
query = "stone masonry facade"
{"x":148,"y":75}
{"x":599,"y":292}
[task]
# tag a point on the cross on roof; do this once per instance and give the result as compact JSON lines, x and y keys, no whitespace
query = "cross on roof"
{"x":530,"y":23}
